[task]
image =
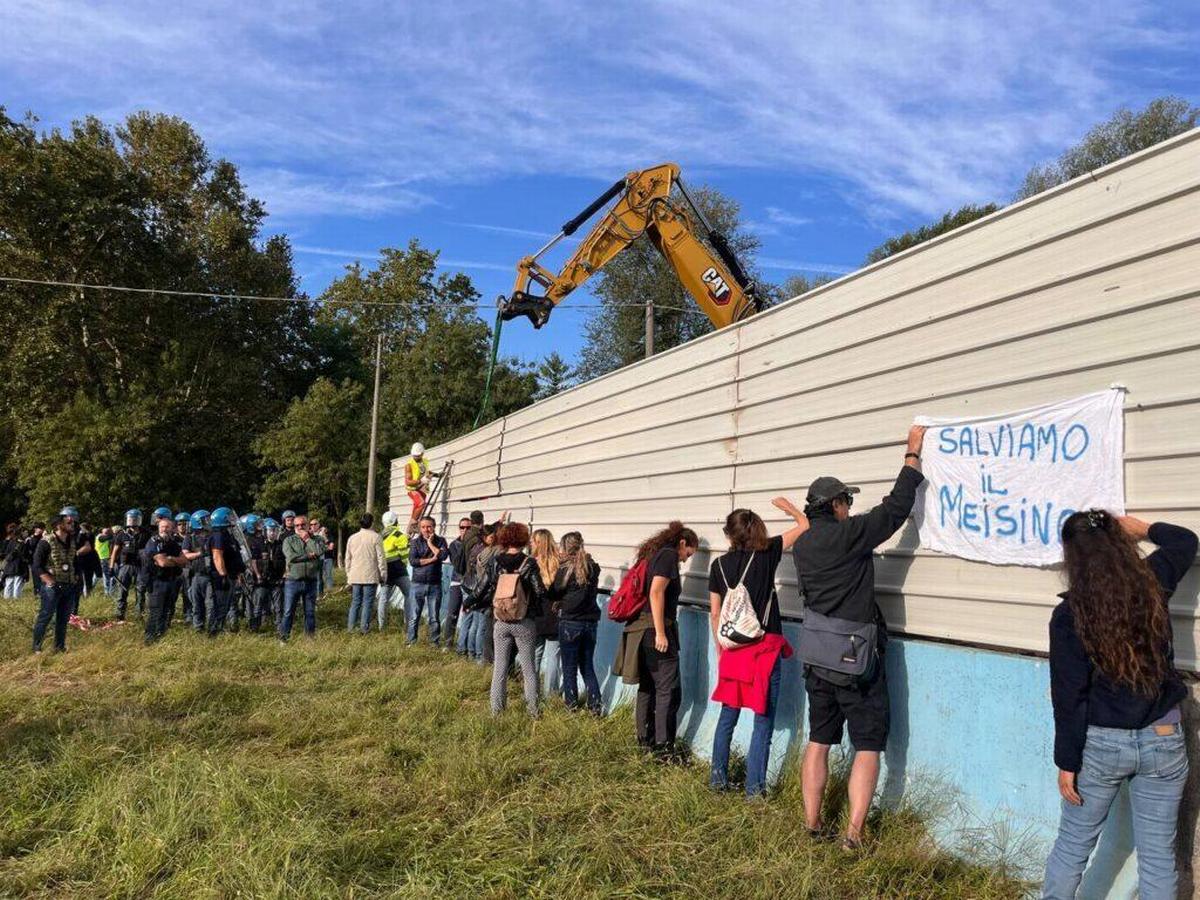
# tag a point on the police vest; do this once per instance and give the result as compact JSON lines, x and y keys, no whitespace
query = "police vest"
{"x":62,"y":558}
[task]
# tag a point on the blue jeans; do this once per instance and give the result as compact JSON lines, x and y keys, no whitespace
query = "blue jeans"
{"x":760,"y":741}
{"x":12,"y":587}
{"x":362,"y":603}
{"x":577,"y":646}
{"x":293,"y":590}
{"x":1156,"y":768}
{"x":56,"y":603}
{"x":466,"y":627}
{"x":393,"y":595}
{"x":420,"y":597}
{"x":326,"y":575}
{"x":471,"y":633}
{"x":553,"y":664}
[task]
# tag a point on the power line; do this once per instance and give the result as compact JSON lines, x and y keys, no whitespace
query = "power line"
{"x":208,"y":295}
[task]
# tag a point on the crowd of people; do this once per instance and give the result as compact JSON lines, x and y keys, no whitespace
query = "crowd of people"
{"x":521,"y":600}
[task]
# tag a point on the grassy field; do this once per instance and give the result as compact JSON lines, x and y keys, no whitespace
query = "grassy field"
{"x":349,"y":766}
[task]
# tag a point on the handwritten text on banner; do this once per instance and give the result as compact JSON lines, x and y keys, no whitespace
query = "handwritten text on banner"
{"x":999,"y":488}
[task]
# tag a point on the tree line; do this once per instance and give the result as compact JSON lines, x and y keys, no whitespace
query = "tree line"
{"x":115,"y":399}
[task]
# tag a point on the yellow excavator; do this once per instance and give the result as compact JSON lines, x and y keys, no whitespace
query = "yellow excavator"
{"x":714,"y":277}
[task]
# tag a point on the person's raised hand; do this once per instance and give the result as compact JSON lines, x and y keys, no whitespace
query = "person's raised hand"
{"x":916,"y":437}
{"x":1134,"y":527}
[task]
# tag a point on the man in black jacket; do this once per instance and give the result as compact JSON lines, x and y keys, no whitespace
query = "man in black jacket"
{"x":835,"y":564}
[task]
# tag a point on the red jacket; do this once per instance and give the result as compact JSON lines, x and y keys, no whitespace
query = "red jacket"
{"x":744,"y":674}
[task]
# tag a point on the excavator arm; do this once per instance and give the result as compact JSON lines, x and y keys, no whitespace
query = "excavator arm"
{"x":717,"y":282}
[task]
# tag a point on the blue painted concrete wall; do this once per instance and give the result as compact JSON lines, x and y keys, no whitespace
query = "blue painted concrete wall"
{"x":971,"y":728}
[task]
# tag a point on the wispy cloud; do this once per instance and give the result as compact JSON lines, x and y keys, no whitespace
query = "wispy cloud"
{"x":792,"y":265}
{"x":442,"y":263}
{"x":783,"y":217}
{"x":504,"y":229}
{"x":910,"y":106}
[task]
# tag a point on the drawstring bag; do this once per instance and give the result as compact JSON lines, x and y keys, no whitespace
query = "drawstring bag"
{"x":738,"y":624}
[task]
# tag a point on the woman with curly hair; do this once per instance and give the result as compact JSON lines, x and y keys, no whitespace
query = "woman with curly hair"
{"x":648,"y":654}
{"x":1116,"y":695}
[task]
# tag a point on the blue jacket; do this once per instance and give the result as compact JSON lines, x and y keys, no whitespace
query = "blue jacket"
{"x":420,"y":549}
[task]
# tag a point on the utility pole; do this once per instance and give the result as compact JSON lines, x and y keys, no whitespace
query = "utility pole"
{"x":649,"y":327}
{"x":370,"y":504}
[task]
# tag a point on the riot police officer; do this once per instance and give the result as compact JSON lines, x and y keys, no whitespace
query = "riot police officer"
{"x":253,"y":577}
{"x":182,"y":520}
{"x":226,"y":566}
{"x":144,"y":566}
{"x":272,"y":567}
{"x":164,"y":566}
{"x":127,"y":546}
{"x":195,"y":547}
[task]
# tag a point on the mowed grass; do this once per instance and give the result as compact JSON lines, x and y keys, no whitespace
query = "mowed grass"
{"x":350,"y":766}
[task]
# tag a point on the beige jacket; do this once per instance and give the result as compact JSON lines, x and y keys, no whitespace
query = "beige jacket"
{"x":365,"y":560}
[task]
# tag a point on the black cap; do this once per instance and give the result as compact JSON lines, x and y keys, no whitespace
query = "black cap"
{"x":826,"y":488}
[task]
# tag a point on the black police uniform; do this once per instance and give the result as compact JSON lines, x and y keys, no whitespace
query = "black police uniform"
{"x":272,"y":566}
{"x":200,"y":580}
{"x":129,"y":544}
{"x":164,"y":585}
{"x":220,"y":610}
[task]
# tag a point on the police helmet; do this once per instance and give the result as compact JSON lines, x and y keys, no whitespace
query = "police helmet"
{"x":198,"y":521}
{"x":222,"y":517}
{"x":268,"y":522}
{"x":288,"y":514}
{"x":203,"y":513}
{"x":250,"y":523}
{"x":181,"y":517}
{"x":133,"y":517}
{"x":390,"y":518}
{"x":163,"y":512}
{"x":69,"y":512}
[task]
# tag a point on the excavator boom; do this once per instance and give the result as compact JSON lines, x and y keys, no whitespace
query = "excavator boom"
{"x":714,"y":277}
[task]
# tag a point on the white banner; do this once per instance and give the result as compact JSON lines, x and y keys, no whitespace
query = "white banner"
{"x":999,"y":488}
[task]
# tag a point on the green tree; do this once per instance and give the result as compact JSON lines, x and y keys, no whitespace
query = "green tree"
{"x":177,"y":387}
{"x":795,"y":285}
{"x":614,"y":336}
{"x":436,"y":348}
{"x":316,"y":455}
{"x":553,"y":375}
{"x":1123,"y":133}
{"x":948,"y":222}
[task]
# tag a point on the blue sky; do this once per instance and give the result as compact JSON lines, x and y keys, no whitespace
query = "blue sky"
{"x":479,"y":127}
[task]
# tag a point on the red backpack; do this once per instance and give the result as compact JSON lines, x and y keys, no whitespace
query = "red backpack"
{"x":629,"y":599}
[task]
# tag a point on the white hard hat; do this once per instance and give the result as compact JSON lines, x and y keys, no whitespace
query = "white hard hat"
{"x":390,"y":518}
{"x":418,"y":449}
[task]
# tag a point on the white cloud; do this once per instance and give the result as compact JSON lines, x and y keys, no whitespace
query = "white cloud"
{"x":369,"y":108}
{"x":310,"y":250}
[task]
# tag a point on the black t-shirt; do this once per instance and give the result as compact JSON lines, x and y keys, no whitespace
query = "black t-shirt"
{"x":759,"y":580}
{"x":169,"y":546}
{"x":666,"y":564}
{"x":222,"y":542}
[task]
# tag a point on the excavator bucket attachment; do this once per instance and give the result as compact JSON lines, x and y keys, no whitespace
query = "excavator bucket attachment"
{"x":536,"y":309}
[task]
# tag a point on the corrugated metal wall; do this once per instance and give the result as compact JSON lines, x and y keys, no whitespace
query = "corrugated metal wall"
{"x":1095,"y":282}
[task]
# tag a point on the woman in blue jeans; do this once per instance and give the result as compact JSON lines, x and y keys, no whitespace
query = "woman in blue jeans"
{"x":1116,"y":695}
{"x":574,"y":591}
{"x":751,"y":561}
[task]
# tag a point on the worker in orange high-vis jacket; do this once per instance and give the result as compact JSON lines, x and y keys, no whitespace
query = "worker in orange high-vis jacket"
{"x":417,"y":475}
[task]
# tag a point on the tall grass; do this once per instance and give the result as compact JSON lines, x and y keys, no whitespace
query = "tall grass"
{"x":350,"y":766}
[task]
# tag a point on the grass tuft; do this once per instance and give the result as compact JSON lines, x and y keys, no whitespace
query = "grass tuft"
{"x":350,"y":766}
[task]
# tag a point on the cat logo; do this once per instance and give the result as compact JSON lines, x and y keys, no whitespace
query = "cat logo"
{"x":717,"y":288}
